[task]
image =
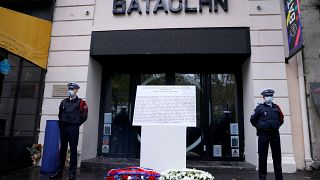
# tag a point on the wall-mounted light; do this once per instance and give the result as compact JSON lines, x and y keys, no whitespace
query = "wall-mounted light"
{"x":259,"y":8}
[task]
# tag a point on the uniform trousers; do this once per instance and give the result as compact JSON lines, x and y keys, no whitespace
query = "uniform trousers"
{"x":271,"y":137}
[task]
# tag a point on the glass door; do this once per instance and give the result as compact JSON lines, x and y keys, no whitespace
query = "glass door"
{"x":118,"y":136}
{"x":194,"y":134}
{"x":217,"y":136}
{"x":223,"y":129}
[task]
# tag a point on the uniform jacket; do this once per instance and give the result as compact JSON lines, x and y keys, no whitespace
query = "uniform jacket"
{"x":69,"y":112}
{"x":267,"y":117}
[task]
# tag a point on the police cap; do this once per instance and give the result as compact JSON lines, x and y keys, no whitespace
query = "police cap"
{"x":73,"y":85}
{"x":267,"y":92}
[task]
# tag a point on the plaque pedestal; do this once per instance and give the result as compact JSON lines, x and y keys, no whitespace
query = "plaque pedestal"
{"x":163,"y":147}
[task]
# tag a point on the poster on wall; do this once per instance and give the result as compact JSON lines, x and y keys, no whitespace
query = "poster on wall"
{"x":235,"y":152}
{"x":107,"y":118}
{"x":217,"y":151}
{"x":234,"y":141}
{"x":105,"y":140}
{"x":105,"y":148}
{"x":293,"y":26}
{"x":234,"y":129}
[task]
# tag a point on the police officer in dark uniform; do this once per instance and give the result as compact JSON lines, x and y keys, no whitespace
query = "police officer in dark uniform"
{"x":267,"y":119}
{"x":70,"y":119}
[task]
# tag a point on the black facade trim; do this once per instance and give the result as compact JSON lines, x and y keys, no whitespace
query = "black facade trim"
{"x":42,"y":9}
{"x":201,"y":41}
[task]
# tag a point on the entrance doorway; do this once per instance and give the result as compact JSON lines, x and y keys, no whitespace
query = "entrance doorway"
{"x":219,"y":131}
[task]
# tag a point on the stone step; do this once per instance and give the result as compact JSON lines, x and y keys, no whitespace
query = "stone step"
{"x":209,"y":166}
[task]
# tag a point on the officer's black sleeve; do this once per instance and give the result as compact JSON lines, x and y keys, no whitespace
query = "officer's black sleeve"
{"x":255,"y":117}
{"x":60,"y":110}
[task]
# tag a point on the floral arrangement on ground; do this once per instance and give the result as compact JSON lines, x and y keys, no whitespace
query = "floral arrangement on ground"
{"x":35,"y":152}
{"x":185,"y":174}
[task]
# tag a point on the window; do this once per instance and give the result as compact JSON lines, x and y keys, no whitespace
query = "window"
{"x":20,"y":92}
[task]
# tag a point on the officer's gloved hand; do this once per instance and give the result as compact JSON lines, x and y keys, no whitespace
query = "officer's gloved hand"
{"x":258,"y":132}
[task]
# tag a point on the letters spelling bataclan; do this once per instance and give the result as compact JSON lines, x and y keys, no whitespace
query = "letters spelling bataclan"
{"x":174,"y":6}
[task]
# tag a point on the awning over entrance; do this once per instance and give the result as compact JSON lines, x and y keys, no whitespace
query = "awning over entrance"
{"x":26,"y":36}
{"x":172,"y":50}
{"x":172,"y":41}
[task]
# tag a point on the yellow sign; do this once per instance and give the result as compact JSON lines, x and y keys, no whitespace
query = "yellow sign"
{"x":26,"y":36}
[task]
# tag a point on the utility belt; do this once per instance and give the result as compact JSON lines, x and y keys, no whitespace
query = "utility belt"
{"x":267,"y":131}
{"x":66,"y":123}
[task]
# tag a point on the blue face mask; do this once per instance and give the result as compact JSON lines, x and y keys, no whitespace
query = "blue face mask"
{"x":70,"y":93}
{"x":268,"y":99}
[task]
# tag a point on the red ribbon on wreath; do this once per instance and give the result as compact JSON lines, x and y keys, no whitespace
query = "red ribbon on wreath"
{"x":134,"y":172}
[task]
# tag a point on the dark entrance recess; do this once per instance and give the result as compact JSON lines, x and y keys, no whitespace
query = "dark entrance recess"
{"x":212,"y":57}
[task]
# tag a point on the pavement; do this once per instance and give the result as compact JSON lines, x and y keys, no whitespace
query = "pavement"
{"x":33,"y":173}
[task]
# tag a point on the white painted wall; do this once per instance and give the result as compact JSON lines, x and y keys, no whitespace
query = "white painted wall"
{"x":69,"y":60}
{"x":90,"y":128}
{"x":250,"y":149}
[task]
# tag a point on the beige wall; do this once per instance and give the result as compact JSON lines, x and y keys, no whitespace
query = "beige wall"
{"x":251,"y":145}
{"x":295,"y":111}
{"x":104,"y":19}
{"x":69,"y":60}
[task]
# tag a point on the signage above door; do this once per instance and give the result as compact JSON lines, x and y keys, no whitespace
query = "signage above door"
{"x":174,"y":6}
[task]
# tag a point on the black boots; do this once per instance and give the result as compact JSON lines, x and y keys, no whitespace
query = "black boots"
{"x":59,"y":175}
{"x":72,"y":177}
{"x":56,"y":175}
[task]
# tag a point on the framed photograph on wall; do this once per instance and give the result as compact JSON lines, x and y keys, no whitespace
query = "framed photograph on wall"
{"x":107,"y":129}
{"x":234,"y":141}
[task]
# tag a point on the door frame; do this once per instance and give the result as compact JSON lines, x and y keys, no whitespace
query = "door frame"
{"x":239,"y":96}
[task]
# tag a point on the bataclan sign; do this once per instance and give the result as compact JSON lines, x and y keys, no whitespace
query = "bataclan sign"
{"x":174,"y":6}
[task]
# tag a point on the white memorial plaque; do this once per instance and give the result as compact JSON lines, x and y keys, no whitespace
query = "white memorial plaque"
{"x":165,"y":105}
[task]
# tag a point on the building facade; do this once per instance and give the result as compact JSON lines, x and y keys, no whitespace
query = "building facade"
{"x":230,"y":53}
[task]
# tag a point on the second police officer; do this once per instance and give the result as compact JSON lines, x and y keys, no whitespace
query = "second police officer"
{"x":267,"y":119}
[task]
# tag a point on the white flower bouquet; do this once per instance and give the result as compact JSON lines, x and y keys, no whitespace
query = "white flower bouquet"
{"x":185,"y":174}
